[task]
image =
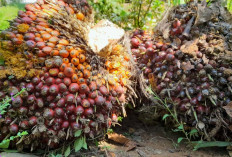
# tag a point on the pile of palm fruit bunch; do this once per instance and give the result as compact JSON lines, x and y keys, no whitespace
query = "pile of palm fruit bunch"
{"x":187,"y":63}
{"x":64,"y":86}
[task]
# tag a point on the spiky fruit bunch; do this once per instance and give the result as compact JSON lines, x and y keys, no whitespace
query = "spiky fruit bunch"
{"x":68,"y":88}
{"x":192,"y":72}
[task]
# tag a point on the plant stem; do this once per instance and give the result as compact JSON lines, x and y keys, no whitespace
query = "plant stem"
{"x":140,"y":8}
{"x":148,"y":8}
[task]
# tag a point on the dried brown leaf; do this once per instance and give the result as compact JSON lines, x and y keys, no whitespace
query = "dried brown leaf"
{"x":118,"y":138}
{"x":190,"y":48}
{"x":228,"y":109}
{"x":187,"y":66}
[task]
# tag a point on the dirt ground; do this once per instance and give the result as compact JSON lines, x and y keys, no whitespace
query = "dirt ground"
{"x":153,"y":141}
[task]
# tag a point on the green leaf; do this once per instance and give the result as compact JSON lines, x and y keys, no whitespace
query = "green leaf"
{"x":204,"y":144}
{"x":5,"y":144}
{"x":9,"y":151}
{"x":78,"y":133}
{"x":59,"y":155}
{"x":2,"y":62}
{"x":165,"y":116}
{"x":84,"y":144}
{"x":78,"y":144}
{"x":181,"y":127}
{"x":24,"y":133}
{"x":67,"y":152}
{"x":193,"y":131}
{"x":180,"y":139}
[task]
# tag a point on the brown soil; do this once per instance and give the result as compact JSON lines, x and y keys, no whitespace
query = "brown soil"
{"x":154,"y":141}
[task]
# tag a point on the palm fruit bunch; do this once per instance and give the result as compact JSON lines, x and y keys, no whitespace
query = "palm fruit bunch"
{"x":64,"y":87}
{"x":187,"y":62}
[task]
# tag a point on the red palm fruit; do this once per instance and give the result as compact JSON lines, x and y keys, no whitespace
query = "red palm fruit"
{"x":50,"y":98}
{"x":4,"y":130}
{"x":75,"y":126}
{"x":54,"y":72}
{"x":114,"y":117}
{"x":109,"y":105}
{"x":70,"y":99}
{"x":81,"y":81}
{"x":23,"y":110}
{"x":104,"y":91}
{"x":200,"y":109}
{"x":93,"y":86}
{"x":46,"y":75}
{"x":73,"y":87}
{"x":93,"y":94}
{"x":91,"y":101}
{"x":17,"y":102}
{"x":40,"y":45}
{"x":24,"y":125}
{"x":70,"y":109}
{"x":135,"y":42}
{"x":30,"y":7}
{"x":58,"y":61}
{"x":83,"y":88}
{"x":72,"y":118}
{"x":7,"y":120}
{"x":148,"y":44}
{"x":40,"y":102}
{"x":85,"y":103}
{"x":62,"y":87}
{"x":79,"y":110}
{"x":54,"y":89}
{"x":93,"y":124}
{"x":47,"y":50}
{"x":31,"y":99}
{"x":54,"y":39}
{"x":63,"y":66}
{"x":112,"y":99}
{"x":58,"y":81}
{"x":36,"y":80}
{"x":26,"y":20}
{"x":78,"y":100}
{"x":99,"y":100}
{"x":30,"y":87}
{"x":176,"y":23}
{"x":50,"y":81}
{"x":45,"y":90}
{"x":88,"y":112}
{"x":30,"y":44}
{"x":59,"y":112}
{"x":65,"y":125}
{"x":14,"y":129}
{"x":68,"y":71}
{"x":82,"y":95}
{"x":29,"y":36}
{"x":61,"y":75}
{"x":32,"y":121}
{"x":119,"y":89}
{"x":38,"y":39}
{"x":17,"y":41}
{"x":48,"y":114}
{"x":67,"y":81}
{"x":61,"y":102}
